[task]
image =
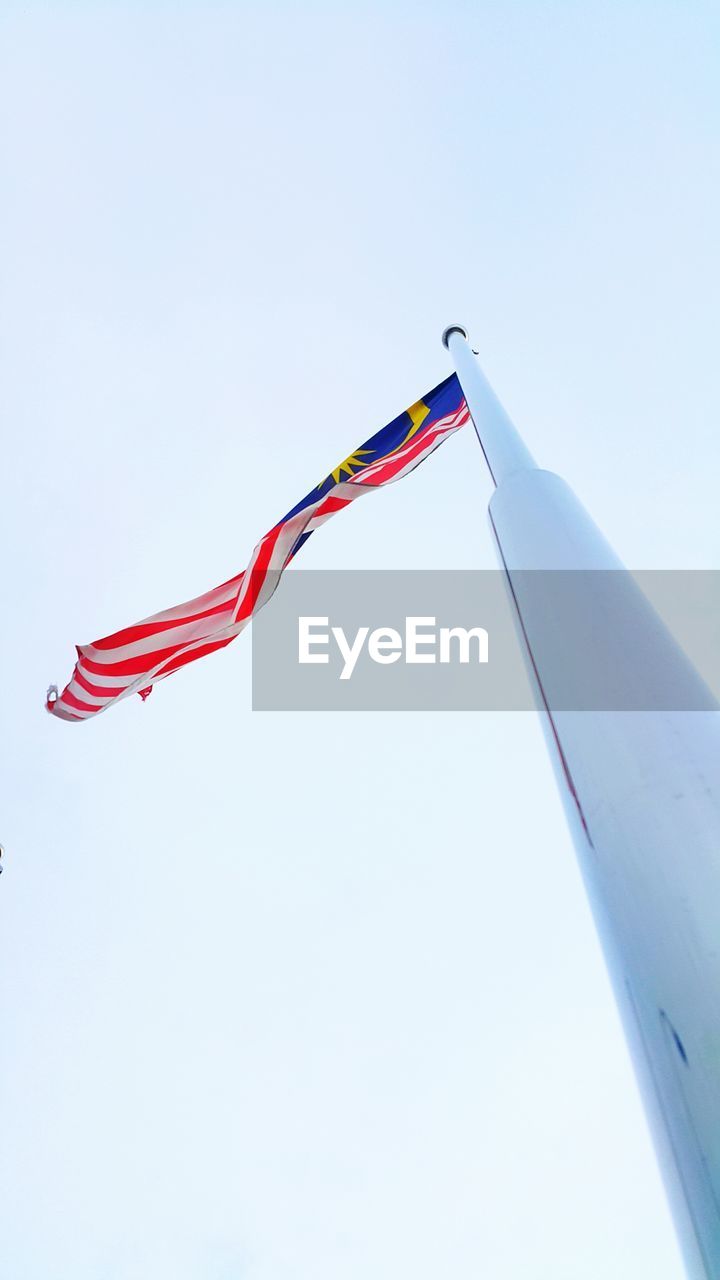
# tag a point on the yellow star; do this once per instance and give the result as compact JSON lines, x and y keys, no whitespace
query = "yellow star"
{"x":352,"y":463}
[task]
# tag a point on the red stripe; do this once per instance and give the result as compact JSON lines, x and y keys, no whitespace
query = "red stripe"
{"x":258,"y":572}
{"x":388,"y":469}
{"x":141,"y":631}
{"x":70,"y":699}
{"x":97,"y":690}
{"x":400,"y":460}
{"x":418,"y":447}
{"x":183,"y":658}
{"x":131,"y":666}
{"x":416,"y":451}
{"x":331,"y":505}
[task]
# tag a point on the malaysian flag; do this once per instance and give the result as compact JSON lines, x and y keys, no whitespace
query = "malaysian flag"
{"x":134,"y":659}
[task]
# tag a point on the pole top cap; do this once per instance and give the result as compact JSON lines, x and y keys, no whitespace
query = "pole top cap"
{"x":454,"y":328}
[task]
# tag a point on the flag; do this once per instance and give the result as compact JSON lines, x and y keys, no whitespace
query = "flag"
{"x":134,"y":659}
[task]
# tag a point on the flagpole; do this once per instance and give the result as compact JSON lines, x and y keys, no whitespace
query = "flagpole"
{"x":641,"y":792}
{"x":503,"y":447}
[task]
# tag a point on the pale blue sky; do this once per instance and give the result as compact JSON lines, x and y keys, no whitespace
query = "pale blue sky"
{"x":262,"y":1018}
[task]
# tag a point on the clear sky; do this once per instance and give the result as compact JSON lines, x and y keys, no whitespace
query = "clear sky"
{"x":301,"y":997}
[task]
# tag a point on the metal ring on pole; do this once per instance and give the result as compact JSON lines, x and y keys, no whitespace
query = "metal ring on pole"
{"x":454,"y":328}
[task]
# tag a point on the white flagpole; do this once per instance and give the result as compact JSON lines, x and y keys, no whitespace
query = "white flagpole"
{"x":504,"y":450}
{"x":642,"y":796}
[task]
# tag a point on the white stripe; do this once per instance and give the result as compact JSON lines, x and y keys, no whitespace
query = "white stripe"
{"x":288,"y":536}
{"x":103,"y":679}
{"x":75,"y":712}
{"x":431,"y":441}
{"x":178,"y":636}
{"x":78,"y":692}
{"x":218,"y":595}
{"x":444,"y":426}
